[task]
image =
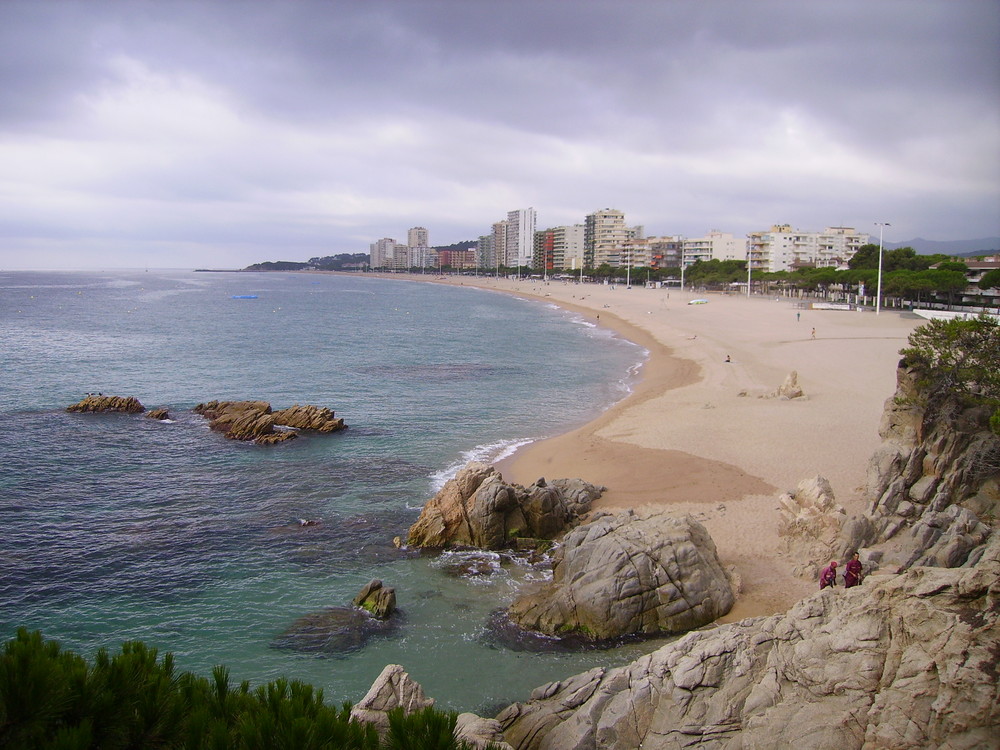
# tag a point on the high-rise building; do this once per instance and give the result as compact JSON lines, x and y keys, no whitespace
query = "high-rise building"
{"x":605,"y":235}
{"x":417,"y":237}
{"x":485,"y":255}
{"x":382,"y":252}
{"x":499,"y":243}
{"x":785,"y":249}
{"x":520,"y":236}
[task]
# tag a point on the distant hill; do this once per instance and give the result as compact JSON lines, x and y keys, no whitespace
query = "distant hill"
{"x":965,"y":248}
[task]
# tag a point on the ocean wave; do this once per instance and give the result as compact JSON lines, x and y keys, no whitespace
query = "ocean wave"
{"x":487,"y":453}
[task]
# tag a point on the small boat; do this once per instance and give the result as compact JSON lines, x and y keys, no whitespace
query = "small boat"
{"x":698,"y":302}
{"x":244,"y":296}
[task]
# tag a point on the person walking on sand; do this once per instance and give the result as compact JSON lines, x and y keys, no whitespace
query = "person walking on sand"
{"x":852,"y":572}
{"x":814,"y":333}
{"x":829,"y":575}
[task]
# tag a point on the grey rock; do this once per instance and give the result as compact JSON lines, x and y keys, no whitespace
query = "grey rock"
{"x":625,"y":574}
{"x":478,"y":509}
{"x":904,"y":661}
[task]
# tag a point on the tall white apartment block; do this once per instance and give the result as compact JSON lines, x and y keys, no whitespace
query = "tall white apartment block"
{"x":715,"y":245}
{"x":417,"y":237}
{"x":520,"y":236}
{"x":785,"y":249}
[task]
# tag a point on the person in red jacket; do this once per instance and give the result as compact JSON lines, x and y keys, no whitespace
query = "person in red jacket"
{"x":829,"y":575}
{"x":852,"y":572}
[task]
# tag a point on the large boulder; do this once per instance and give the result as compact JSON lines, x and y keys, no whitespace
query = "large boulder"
{"x":478,"y":509}
{"x":810,"y":523}
{"x":395,"y":689}
{"x":392,"y":689}
{"x":101,"y":403}
{"x":377,"y":599}
{"x":903,"y":661}
{"x":627,"y":574}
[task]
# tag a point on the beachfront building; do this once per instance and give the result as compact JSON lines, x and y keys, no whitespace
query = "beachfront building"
{"x":715,"y":245}
{"x":500,"y":243}
{"x":665,"y":252}
{"x":604,"y":236}
{"x":420,"y":253}
{"x":485,"y":255}
{"x":382,"y":252}
{"x":520,"y":242}
{"x":782,"y":248}
{"x":559,"y":248}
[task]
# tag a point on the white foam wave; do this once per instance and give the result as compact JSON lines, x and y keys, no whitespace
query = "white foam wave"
{"x":488,"y":453}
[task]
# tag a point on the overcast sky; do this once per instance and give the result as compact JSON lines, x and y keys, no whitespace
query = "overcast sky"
{"x":183,"y":134}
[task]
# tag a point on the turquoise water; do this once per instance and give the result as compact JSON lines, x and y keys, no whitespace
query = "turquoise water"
{"x":120,"y":527}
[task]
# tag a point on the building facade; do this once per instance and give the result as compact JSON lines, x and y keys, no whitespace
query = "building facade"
{"x":520,"y":243}
{"x":559,"y":248}
{"x":782,"y":248}
{"x":604,"y":235}
{"x":715,"y":245}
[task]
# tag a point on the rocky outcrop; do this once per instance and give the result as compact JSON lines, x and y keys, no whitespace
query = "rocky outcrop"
{"x":626,"y":574}
{"x":933,"y":485}
{"x":377,"y":599}
{"x":478,"y":509}
{"x":334,"y":630}
{"x":810,"y":523}
{"x":789,"y":389}
{"x":308,"y":417}
{"x":394,"y":688}
{"x":100,"y":403}
{"x":160,"y":413}
{"x":904,"y":661}
{"x":255,"y":421}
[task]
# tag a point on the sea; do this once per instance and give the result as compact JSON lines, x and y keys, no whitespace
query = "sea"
{"x":119,"y":527}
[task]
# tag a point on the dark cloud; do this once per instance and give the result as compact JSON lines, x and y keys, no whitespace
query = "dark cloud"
{"x":316,"y":126}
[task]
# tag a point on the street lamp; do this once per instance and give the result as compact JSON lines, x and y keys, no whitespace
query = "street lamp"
{"x":749,"y":247}
{"x":878,"y":292}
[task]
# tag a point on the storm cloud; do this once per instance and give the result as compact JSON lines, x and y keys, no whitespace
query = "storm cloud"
{"x":176,"y":134}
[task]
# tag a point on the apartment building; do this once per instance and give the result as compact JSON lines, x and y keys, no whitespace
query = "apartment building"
{"x":715,"y":245}
{"x":520,"y":242}
{"x":785,"y":249}
{"x":382,"y":252}
{"x":500,"y":232}
{"x":604,"y":237}
{"x":559,"y":248}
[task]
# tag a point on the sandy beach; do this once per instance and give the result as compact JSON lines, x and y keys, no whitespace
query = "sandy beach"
{"x":696,"y":437}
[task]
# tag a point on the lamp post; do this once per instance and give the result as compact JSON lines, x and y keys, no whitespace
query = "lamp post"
{"x":749,"y":247}
{"x":878,"y":292}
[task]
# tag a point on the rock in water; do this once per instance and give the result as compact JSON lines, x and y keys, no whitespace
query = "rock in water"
{"x":333,"y":630}
{"x":97,"y":404}
{"x":159,"y":414}
{"x":478,"y":509}
{"x":626,"y":574}
{"x":907,"y":661}
{"x":309,"y":417}
{"x":377,"y":599}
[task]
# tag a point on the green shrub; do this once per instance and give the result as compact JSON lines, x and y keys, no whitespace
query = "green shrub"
{"x":51,"y":699}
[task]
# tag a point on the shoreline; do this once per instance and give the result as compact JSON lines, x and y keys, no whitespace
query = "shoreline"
{"x":697,"y":436}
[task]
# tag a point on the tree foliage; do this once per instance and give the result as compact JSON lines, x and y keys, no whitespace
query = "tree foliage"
{"x":961,"y":358}
{"x":51,"y":699}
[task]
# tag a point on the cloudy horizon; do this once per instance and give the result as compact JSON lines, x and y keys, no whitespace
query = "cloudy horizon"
{"x":184,"y":134}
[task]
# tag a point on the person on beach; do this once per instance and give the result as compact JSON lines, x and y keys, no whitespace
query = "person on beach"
{"x":829,"y":575}
{"x":814,"y":333}
{"x":852,"y":572}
